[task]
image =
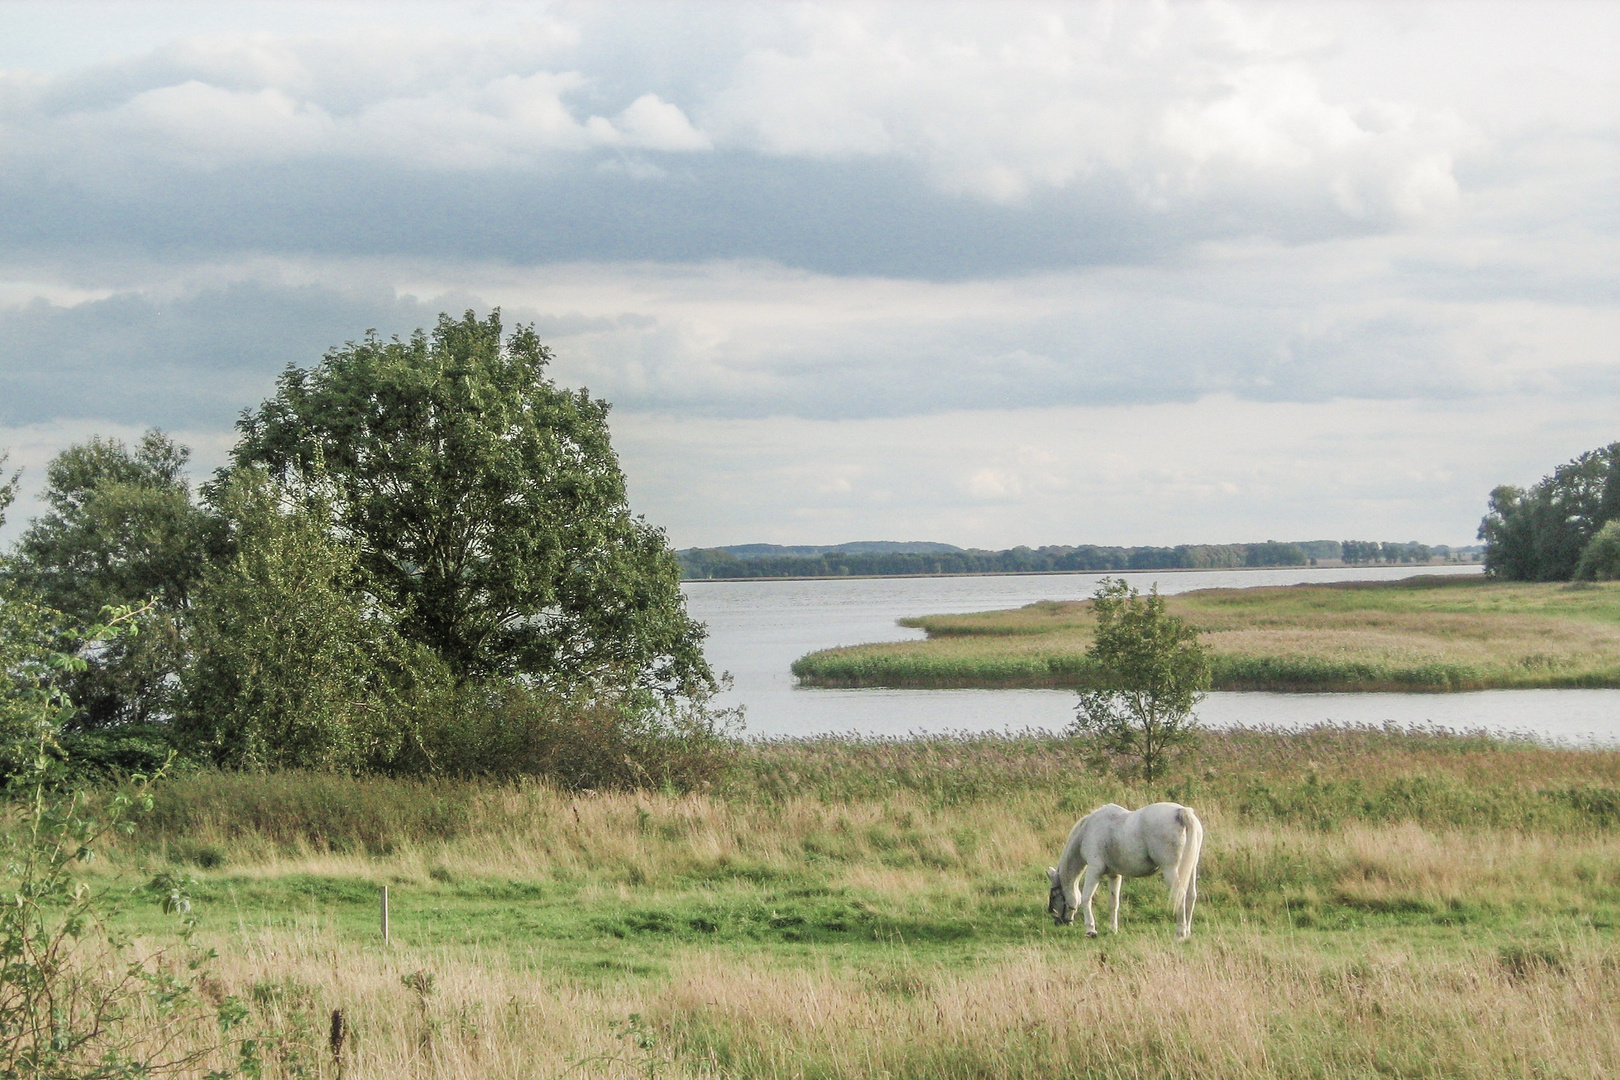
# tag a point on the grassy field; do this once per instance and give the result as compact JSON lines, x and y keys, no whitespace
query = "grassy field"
{"x":1372,"y":903}
{"x":1424,"y":633}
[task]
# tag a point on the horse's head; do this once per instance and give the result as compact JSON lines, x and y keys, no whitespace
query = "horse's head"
{"x":1057,"y":902}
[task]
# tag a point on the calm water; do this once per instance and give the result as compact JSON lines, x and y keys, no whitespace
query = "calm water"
{"x":758,"y":628}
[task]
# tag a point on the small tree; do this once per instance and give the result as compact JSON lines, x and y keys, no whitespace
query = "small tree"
{"x":8,"y":486}
{"x":1151,"y":671}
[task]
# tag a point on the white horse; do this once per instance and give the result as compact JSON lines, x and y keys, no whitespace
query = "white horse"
{"x":1112,"y":841}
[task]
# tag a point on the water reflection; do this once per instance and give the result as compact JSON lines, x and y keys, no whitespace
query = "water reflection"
{"x":758,"y":628}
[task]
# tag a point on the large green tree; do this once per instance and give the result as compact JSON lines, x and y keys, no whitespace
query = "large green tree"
{"x":486,"y":507}
{"x":1539,"y":534}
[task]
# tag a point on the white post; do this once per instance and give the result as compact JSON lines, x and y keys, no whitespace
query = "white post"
{"x":385,"y":914}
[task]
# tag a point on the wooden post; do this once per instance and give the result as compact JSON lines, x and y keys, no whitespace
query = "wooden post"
{"x":385,"y":914}
{"x":336,"y":1039}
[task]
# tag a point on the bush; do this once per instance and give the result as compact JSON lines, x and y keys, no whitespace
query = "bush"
{"x":292,"y":668}
{"x":504,"y":731}
{"x":1600,"y":559}
{"x":75,"y":1002}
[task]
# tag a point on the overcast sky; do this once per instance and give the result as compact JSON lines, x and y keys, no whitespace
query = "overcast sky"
{"x":989,"y":274}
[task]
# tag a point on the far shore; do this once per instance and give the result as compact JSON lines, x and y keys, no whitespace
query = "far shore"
{"x":1324,"y":564}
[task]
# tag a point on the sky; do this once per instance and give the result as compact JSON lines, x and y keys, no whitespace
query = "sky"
{"x":986,"y":274}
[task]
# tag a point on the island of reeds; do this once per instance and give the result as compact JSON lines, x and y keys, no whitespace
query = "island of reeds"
{"x":1426,"y":633}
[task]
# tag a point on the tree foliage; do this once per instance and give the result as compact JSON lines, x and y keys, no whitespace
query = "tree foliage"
{"x":1540,"y":534}
{"x":1151,"y":671}
{"x":415,"y":540}
{"x":8,"y":486}
{"x":121,"y":530}
{"x":291,"y":666}
{"x":486,"y":507}
{"x":1600,"y":559}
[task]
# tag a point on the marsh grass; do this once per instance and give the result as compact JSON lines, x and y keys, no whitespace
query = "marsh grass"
{"x":1424,"y":633}
{"x":1373,"y":902}
{"x":1238,"y":1003}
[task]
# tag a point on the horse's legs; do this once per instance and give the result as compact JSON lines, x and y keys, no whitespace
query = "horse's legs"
{"x":1178,"y":910}
{"x":1192,"y":898}
{"x":1116,"y":887}
{"x":1094,"y":876}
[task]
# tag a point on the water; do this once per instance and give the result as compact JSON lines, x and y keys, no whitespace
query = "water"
{"x":758,"y":628}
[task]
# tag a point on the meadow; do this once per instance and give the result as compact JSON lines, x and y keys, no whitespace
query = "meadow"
{"x":1420,"y":634}
{"x":1373,"y":902}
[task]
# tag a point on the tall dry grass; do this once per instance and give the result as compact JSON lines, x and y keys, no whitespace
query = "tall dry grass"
{"x":1232,"y":1004}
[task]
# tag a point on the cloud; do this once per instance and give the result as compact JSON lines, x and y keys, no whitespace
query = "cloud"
{"x":191,"y":362}
{"x":1175,"y":104}
{"x":937,"y":142}
{"x":1343,"y":320}
{"x":986,"y":273}
{"x":1218,"y":470}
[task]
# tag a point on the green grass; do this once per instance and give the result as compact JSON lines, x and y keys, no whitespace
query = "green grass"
{"x":1421,"y":634}
{"x":1373,"y":901}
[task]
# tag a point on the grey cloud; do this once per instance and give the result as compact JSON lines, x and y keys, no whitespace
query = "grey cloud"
{"x":195,"y":362}
{"x":858,"y":217}
{"x":1011,"y":143}
{"x":201,"y":358}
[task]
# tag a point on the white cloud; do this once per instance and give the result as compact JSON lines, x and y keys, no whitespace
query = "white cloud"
{"x":1172,"y":103}
{"x":210,"y":126}
{"x":654,"y":124}
{"x":1177,"y":102}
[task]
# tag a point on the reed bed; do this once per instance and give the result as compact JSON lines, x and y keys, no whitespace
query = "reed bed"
{"x":1434,"y":634}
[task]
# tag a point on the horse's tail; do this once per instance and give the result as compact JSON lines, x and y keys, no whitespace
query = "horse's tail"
{"x":1192,"y":843}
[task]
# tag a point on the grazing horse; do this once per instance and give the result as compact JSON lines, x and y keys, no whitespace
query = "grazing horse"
{"x":1112,"y":841}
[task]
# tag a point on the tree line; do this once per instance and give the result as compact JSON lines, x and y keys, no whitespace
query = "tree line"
{"x":1564,"y":528}
{"x":720,"y":563}
{"x":419,"y":559}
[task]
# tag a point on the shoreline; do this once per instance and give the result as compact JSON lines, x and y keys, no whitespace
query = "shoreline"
{"x":1416,"y":568}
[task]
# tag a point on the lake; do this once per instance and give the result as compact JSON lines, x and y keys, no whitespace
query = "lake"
{"x":758,"y":628}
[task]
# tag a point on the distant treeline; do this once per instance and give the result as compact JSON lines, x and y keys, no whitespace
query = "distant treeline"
{"x":741,"y":562}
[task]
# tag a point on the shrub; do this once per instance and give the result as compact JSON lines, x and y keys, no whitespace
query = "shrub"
{"x":1600,"y":559}
{"x":505,"y":731}
{"x":74,"y":1000}
{"x":292,"y":668}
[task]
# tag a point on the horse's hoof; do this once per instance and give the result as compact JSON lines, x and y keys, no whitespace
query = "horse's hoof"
{"x":1091,"y":933}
